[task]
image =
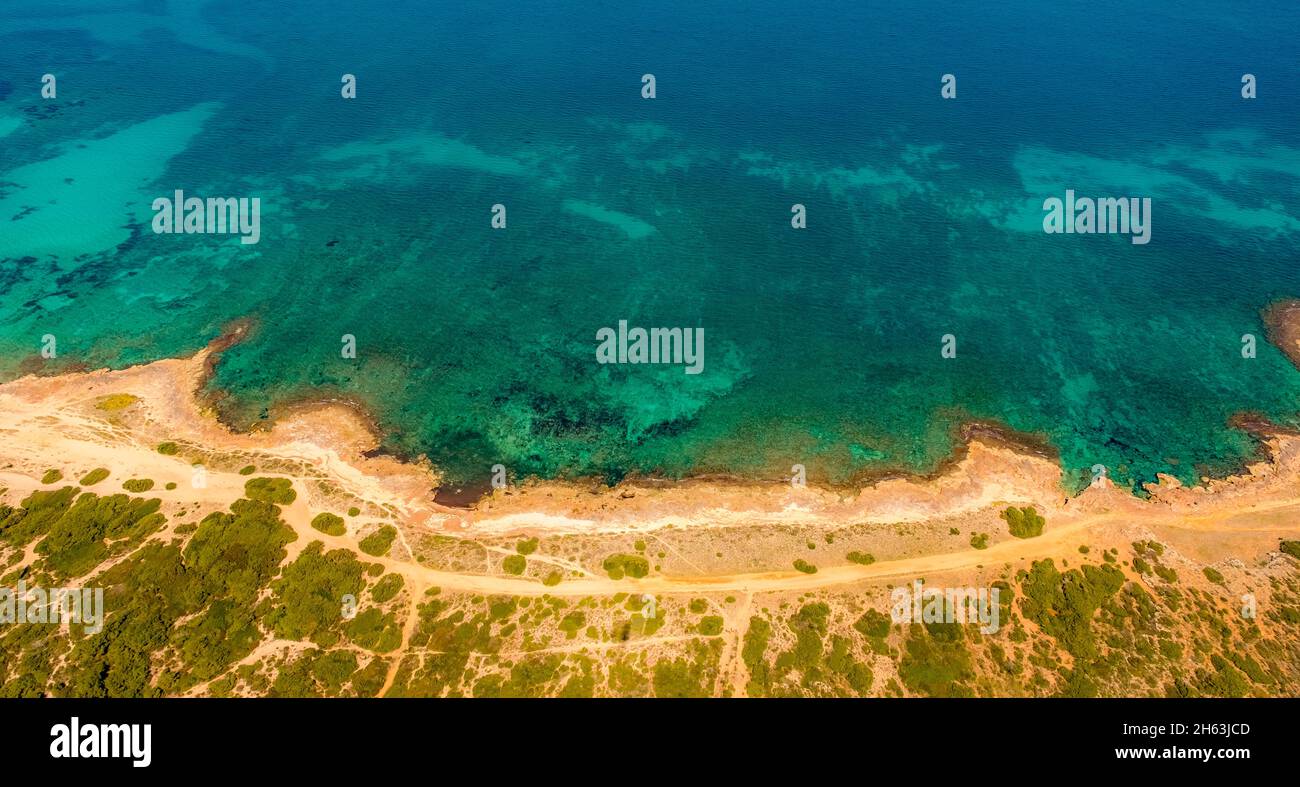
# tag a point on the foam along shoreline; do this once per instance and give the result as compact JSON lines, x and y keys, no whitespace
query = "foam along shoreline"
{"x":56,"y":421}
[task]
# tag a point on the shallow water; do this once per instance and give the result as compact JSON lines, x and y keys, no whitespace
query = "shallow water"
{"x":477,"y":346}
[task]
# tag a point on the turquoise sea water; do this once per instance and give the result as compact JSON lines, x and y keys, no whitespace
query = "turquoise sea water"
{"x":477,"y":346}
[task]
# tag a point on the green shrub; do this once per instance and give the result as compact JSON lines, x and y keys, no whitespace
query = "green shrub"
{"x":168,"y":449}
{"x":710,"y":625}
{"x":572,"y":623}
{"x":618,"y":566}
{"x":1024,"y":522}
{"x":980,"y":540}
{"x":552,"y":579}
{"x":117,"y":401}
{"x":935,"y":661}
{"x":1291,"y":548}
{"x":1064,"y":603}
{"x":805,"y":567}
{"x":369,"y":681}
{"x":329,"y":524}
{"x":753,"y":653}
{"x":270,"y":490}
{"x":527,"y":546}
{"x":51,"y":476}
{"x":94,"y":476}
{"x":374,"y":631}
{"x":77,"y":536}
{"x":873,"y":625}
{"x":514,"y":564}
{"x":247,"y":470}
{"x":861,"y":558}
{"x":387,"y":587}
{"x":1213,"y":575}
{"x":138,"y":485}
{"x":378,"y":542}
{"x":307,"y":599}
{"x":680,"y":678}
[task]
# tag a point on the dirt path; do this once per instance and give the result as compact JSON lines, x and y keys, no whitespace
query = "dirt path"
{"x":408,"y":630}
{"x":1060,"y":540}
{"x":732,"y":670}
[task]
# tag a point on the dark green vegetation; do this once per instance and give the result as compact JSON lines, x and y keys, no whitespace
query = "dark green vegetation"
{"x":168,"y":449}
{"x":1083,"y":631}
{"x":805,"y":566}
{"x":817,"y":663}
{"x":94,"y":476}
{"x":688,"y":676}
{"x":329,"y":524}
{"x":1063,"y":605}
{"x":77,"y":531}
{"x":514,"y":564}
{"x":270,"y":490}
{"x":379,"y":542}
{"x":618,"y":566}
{"x":387,"y":587}
{"x":183,"y":611}
{"x":875,"y":626}
{"x":52,"y":476}
{"x":138,"y":485}
{"x":710,"y":625}
{"x":1024,"y":522}
{"x":861,"y":558}
{"x":935,"y":661}
{"x":1291,"y":548}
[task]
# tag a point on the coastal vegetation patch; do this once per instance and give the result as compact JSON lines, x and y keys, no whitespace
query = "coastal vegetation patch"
{"x":270,"y":490}
{"x":379,"y":542}
{"x":94,"y":476}
{"x":329,"y":524}
{"x":1024,"y":522}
